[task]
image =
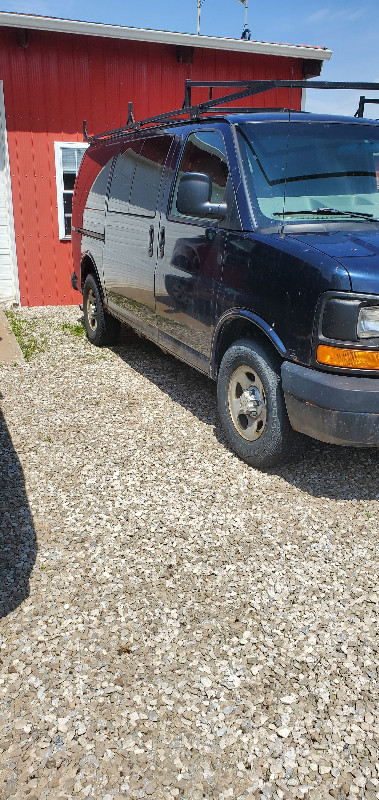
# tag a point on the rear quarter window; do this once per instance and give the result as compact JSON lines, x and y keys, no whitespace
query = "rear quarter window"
{"x":137,"y":176}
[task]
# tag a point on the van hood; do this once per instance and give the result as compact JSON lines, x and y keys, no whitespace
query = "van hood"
{"x":357,"y":252}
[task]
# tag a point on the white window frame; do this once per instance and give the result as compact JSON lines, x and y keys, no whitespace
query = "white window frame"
{"x":59,"y":146}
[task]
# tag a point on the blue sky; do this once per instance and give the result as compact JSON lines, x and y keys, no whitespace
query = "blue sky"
{"x":348,"y":27}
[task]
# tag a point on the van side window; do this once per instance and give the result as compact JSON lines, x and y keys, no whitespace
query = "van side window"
{"x":122,"y":177}
{"x":137,"y":176}
{"x":204,"y":152}
{"x":147,"y":176}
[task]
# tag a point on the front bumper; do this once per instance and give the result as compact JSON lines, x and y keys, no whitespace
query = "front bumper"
{"x":333,"y":408}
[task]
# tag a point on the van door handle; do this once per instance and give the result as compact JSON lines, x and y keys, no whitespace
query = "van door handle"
{"x":151,"y":241}
{"x":161,"y":242}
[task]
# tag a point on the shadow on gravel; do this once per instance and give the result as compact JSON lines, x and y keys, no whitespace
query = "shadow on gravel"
{"x":18,"y":543}
{"x":344,"y":473}
{"x":184,"y":384}
{"x":330,"y":471}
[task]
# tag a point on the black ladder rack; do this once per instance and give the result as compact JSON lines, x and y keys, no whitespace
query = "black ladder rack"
{"x":362,"y":102}
{"x":245,"y":89}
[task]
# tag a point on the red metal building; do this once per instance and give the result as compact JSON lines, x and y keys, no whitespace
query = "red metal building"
{"x":55,"y":73}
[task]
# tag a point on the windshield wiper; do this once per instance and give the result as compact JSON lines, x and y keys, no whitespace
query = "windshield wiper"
{"x":335,"y":212}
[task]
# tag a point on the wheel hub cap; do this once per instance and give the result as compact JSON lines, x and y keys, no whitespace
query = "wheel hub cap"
{"x":251,"y":402}
{"x":247,"y":403}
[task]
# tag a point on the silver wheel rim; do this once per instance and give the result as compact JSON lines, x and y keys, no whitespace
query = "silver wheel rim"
{"x":247,"y":403}
{"x":92,"y":310}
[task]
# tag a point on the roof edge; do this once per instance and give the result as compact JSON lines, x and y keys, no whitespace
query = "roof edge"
{"x":30,"y":21}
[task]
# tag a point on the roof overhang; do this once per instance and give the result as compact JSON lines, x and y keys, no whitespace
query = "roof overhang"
{"x":29,"y":21}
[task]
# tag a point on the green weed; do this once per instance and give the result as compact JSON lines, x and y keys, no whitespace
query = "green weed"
{"x":25,"y":331}
{"x":76,"y":330}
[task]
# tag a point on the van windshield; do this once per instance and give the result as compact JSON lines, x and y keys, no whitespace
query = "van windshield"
{"x":311,"y":171}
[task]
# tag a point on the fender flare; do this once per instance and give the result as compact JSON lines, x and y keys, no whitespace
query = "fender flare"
{"x":88,"y":255}
{"x":247,"y":316}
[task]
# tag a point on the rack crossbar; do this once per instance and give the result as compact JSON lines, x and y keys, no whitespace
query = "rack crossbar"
{"x":246,"y":89}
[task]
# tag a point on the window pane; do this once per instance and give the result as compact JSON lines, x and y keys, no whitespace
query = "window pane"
{"x":71,"y":158}
{"x":204,"y":152}
{"x":67,"y":226}
{"x":298,"y":169}
{"x":69,"y":180}
{"x":148,"y":174}
{"x":67,"y":203}
{"x":123,"y":176}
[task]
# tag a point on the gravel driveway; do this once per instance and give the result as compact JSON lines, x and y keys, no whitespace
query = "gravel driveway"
{"x":175,"y":623}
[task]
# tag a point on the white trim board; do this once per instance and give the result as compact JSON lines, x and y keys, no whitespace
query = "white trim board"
{"x":9,"y":284}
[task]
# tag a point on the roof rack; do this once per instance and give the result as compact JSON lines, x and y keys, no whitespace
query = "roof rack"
{"x":362,"y":102}
{"x":245,"y":89}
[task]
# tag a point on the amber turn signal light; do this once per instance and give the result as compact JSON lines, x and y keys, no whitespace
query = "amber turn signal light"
{"x":347,"y":359}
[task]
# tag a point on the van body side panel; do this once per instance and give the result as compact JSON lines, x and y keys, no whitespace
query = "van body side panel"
{"x":128,"y":274}
{"x":132,"y":228}
{"x":276,"y":279}
{"x":88,"y":208}
{"x":187,"y":281}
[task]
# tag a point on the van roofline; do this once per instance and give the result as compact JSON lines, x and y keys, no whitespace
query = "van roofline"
{"x":32,"y":21}
{"x":260,"y":116}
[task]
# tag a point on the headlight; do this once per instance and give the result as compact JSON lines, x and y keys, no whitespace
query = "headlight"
{"x":368,"y":322}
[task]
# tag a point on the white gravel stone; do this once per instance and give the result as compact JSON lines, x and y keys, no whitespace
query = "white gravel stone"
{"x":175,"y":623}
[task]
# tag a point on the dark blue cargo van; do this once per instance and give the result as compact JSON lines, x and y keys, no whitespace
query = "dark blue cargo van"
{"x":247,"y":245}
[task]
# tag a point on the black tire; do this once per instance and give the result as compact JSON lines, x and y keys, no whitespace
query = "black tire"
{"x":249,"y":381}
{"x":100,"y":326}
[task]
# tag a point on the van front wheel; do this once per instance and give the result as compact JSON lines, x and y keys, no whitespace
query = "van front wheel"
{"x":101,"y":328}
{"x":252,"y":408}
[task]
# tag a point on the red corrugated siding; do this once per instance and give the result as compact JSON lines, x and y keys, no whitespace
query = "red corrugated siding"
{"x":60,"y":79}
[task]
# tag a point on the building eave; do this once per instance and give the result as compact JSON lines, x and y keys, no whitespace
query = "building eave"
{"x":29,"y":22}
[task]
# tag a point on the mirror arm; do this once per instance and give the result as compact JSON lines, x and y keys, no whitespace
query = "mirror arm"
{"x":216,"y":210}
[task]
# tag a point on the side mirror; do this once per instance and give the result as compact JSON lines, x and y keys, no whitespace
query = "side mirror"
{"x":194,"y":195}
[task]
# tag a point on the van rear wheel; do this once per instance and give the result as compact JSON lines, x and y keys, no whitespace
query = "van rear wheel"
{"x":252,"y":407}
{"x":100,"y":326}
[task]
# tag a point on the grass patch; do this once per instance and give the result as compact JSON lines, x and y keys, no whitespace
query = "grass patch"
{"x":30,"y":341}
{"x":76,"y":330}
